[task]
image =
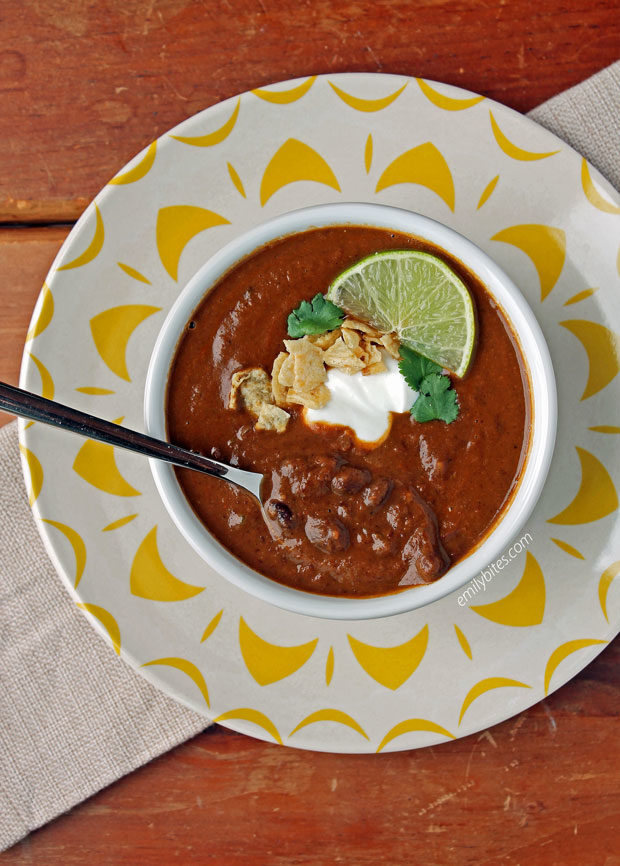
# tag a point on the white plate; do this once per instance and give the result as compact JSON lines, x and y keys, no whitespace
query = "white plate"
{"x":446,"y":670}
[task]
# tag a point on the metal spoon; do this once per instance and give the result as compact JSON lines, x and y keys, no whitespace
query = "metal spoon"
{"x":29,"y":405}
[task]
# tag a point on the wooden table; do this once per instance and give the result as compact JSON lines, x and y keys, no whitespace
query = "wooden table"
{"x":85,"y":86}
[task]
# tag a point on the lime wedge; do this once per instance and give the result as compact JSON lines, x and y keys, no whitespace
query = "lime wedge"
{"x":416,"y":295}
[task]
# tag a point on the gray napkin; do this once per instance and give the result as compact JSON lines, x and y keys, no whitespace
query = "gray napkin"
{"x":73,"y":716}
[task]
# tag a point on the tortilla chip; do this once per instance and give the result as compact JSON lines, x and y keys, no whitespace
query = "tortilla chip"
{"x":310,"y":370}
{"x":324,"y":341}
{"x":315,"y":399}
{"x":371,"y":369}
{"x":358,"y":325}
{"x":272,"y":418}
{"x":250,"y":388}
{"x":286,"y":373}
{"x":391,"y":344}
{"x":341,"y":356}
{"x":277,"y":387}
{"x":352,"y":339}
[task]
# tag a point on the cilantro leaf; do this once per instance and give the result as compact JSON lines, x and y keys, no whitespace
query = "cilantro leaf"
{"x":437,"y":400}
{"x":314,"y":317}
{"x":415,"y":367}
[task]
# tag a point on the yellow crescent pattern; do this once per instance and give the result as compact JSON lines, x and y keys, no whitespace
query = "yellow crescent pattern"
{"x":602,"y":346}
{"x":111,"y":331}
{"x":525,"y":605}
{"x":487,"y":191}
{"x":411,"y":725}
{"x":247,"y":714}
{"x":36,"y":473}
{"x":268,"y":662}
{"x":391,"y":666}
{"x":580,"y":296}
{"x":605,"y":428}
{"x":604,"y":583}
{"x":423,"y":165}
{"x":488,"y":685}
{"x":187,"y":668}
{"x":285,"y":97}
{"x":140,"y":170}
{"x":568,"y":548}
{"x":596,"y":497}
{"x":544,"y":245}
{"x":149,"y":577}
{"x":94,"y":247}
{"x":212,"y":626}
{"x":94,"y":391}
{"x":295,"y":161}
{"x":511,"y":149}
{"x":330,"y":715}
{"x":116,"y":524}
{"x":329,"y":666}
{"x":77,"y":543}
{"x":107,"y":621}
{"x":464,"y":643}
{"x":236,"y":179}
{"x":176,"y":226}
{"x":558,"y":655}
{"x":95,"y":463}
{"x":132,"y":272}
{"x":44,"y":316}
{"x":367,"y":104}
{"x":448,"y":103}
{"x":368,"y":154}
{"x":47,"y":383}
{"x":592,"y":194}
{"x":215,"y":137}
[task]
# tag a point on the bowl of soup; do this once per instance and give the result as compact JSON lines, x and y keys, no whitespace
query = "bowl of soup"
{"x":367,"y":512}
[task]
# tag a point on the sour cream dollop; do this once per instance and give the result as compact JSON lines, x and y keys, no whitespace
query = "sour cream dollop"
{"x":364,"y":403}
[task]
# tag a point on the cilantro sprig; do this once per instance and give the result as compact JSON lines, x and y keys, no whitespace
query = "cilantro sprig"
{"x":314,"y":317}
{"x":436,"y":399}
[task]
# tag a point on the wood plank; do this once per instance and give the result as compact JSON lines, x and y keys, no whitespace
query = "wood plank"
{"x":25,"y":257}
{"x":541,"y":788}
{"x":86,"y":85}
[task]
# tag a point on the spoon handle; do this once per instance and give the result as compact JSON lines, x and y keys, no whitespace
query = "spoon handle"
{"x":36,"y":408}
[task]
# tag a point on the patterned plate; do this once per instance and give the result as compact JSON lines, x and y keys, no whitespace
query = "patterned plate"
{"x":519,"y":630}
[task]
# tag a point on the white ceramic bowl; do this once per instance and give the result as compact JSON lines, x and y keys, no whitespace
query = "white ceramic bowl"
{"x":542,"y":388}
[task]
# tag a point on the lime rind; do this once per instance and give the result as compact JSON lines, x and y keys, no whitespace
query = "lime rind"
{"x":416,"y":295}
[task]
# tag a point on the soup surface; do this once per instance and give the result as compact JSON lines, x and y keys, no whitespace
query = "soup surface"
{"x":342,"y":517}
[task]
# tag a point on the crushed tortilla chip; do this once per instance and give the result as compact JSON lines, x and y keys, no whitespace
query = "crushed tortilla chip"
{"x":315,"y":399}
{"x":391,"y":344}
{"x":250,"y":388}
{"x":342,"y":356}
{"x":362,"y":327}
{"x":272,"y":417}
{"x":277,"y":386}
{"x":310,"y":370}
{"x":324,"y":341}
{"x":371,"y":369}
{"x":352,"y":339}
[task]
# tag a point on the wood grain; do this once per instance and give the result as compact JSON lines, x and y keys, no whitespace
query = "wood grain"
{"x":86,"y":85}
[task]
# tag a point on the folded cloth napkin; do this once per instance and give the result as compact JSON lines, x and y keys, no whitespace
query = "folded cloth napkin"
{"x":73,"y":716}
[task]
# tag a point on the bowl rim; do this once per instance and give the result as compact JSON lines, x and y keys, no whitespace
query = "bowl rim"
{"x":543,"y":410}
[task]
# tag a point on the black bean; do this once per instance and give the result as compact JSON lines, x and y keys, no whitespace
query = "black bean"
{"x":350,"y":480}
{"x":329,"y":536}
